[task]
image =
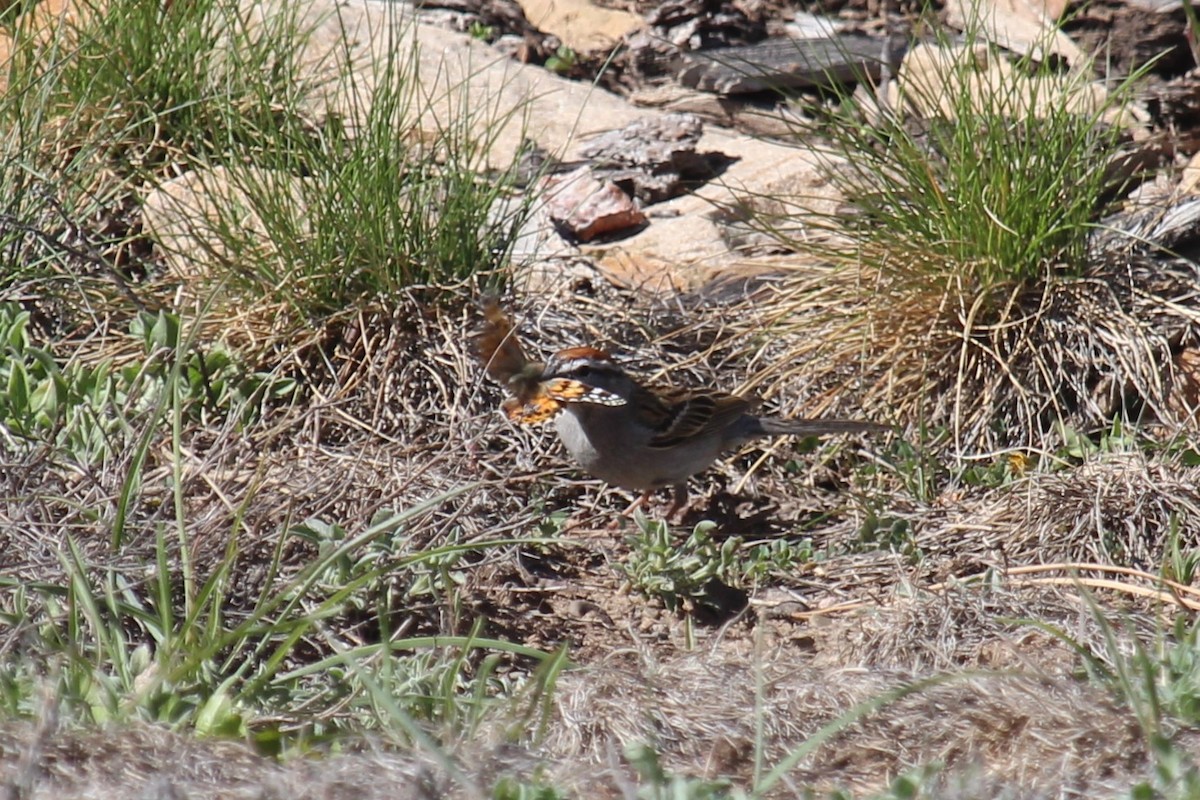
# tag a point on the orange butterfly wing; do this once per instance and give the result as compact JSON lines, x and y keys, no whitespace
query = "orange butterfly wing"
{"x":536,"y":401}
{"x":567,"y":390}
{"x":537,"y":409}
{"x":551,"y":396}
{"x":496,"y":345}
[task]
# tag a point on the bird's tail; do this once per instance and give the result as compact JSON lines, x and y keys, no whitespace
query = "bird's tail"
{"x":775,"y":426}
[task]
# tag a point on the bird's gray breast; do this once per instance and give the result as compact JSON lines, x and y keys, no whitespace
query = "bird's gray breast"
{"x":605,"y":442}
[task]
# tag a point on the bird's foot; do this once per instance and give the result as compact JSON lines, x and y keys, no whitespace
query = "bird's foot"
{"x":679,"y":503}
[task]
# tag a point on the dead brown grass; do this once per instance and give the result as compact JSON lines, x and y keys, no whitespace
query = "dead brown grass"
{"x":1024,"y":726}
{"x":398,"y":413}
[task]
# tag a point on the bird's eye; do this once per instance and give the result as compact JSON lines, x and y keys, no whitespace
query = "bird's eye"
{"x":583,"y":371}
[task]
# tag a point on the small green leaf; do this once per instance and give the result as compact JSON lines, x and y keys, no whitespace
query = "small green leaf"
{"x":18,"y":388}
{"x":165,"y":332}
{"x":15,"y":335}
{"x":47,"y":397}
{"x":140,"y":327}
{"x":217,"y":717}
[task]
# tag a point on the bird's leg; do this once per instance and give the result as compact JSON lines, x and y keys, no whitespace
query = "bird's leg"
{"x":678,"y":502}
{"x":643,"y":498}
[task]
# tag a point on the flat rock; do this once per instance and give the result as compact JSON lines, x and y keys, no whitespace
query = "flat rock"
{"x":1022,"y":26}
{"x":683,"y":247}
{"x":581,"y":25}
{"x":932,"y":76}
{"x":457,"y":75}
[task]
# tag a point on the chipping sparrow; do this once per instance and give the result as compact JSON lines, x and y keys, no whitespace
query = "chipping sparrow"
{"x":629,"y":435}
{"x":658,"y":438}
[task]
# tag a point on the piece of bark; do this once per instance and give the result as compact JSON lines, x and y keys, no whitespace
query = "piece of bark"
{"x":790,"y":64}
{"x":584,"y":207}
{"x":655,"y":158}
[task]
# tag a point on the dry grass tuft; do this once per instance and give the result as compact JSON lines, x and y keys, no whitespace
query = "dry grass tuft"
{"x":1115,"y":509}
{"x":151,"y":762}
{"x":695,"y":708}
{"x":1011,"y":368}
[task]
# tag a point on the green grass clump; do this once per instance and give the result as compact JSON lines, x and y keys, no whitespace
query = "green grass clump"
{"x":158,"y":643}
{"x":358,"y":215}
{"x":112,"y":97}
{"x":156,"y":80}
{"x":695,"y":570}
{"x":961,"y":287}
{"x":996,"y":181}
{"x":325,"y":184}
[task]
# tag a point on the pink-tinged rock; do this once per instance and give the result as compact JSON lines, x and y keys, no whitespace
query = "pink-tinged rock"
{"x":1022,"y":26}
{"x":585,"y":208}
